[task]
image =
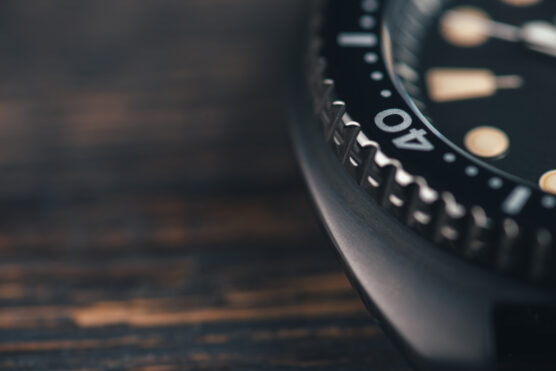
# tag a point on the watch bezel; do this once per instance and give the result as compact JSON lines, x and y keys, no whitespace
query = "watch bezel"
{"x":438,"y":190}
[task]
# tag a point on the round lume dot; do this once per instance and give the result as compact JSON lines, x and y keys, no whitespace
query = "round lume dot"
{"x":548,"y":181}
{"x":386,"y":93}
{"x":495,"y":183}
{"x":449,"y":157}
{"x":487,"y":142}
{"x":548,"y":202}
{"x":377,"y":75}
{"x":471,"y":171}
{"x":371,"y":57}
{"x":465,"y":26}
{"x":367,"y":22}
{"x":369,"y":5}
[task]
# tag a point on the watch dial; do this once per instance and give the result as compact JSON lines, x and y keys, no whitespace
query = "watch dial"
{"x":483,"y":72}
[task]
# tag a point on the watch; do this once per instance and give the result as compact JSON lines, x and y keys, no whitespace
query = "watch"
{"x":426,"y":132}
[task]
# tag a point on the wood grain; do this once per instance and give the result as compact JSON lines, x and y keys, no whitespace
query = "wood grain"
{"x":152,"y":214}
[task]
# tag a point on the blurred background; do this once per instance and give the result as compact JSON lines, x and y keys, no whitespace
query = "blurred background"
{"x":152,"y":215}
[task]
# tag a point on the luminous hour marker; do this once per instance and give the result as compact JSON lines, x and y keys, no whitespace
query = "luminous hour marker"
{"x":548,"y":182}
{"x":357,"y":39}
{"x":487,"y":142}
{"x":450,"y":84}
{"x":521,"y":2}
{"x":465,"y":27}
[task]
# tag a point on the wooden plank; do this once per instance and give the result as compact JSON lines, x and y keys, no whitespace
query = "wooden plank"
{"x":152,"y":214}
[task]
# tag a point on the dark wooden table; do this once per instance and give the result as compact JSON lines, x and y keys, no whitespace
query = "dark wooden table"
{"x":152,"y":216}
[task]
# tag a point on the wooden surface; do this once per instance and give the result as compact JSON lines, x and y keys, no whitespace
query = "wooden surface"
{"x":152,"y":214}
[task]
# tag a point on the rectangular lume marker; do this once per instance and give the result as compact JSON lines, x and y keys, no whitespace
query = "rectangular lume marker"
{"x":453,"y":84}
{"x":357,"y":39}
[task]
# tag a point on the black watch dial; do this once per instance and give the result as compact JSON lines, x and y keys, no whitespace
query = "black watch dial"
{"x":484,"y":74}
{"x":450,"y":120}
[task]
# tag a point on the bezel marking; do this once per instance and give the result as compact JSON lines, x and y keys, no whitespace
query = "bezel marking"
{"x":449,"y":157}
{"x":371,"y":57}
{"x":495,"y":183}
{"x":357,"y":39}
{"x":517,"y":200}
{"x":367,"y":22}
{"x":471,"y":171}
{"x":414,"y":181}
{"x":386,"y":93}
